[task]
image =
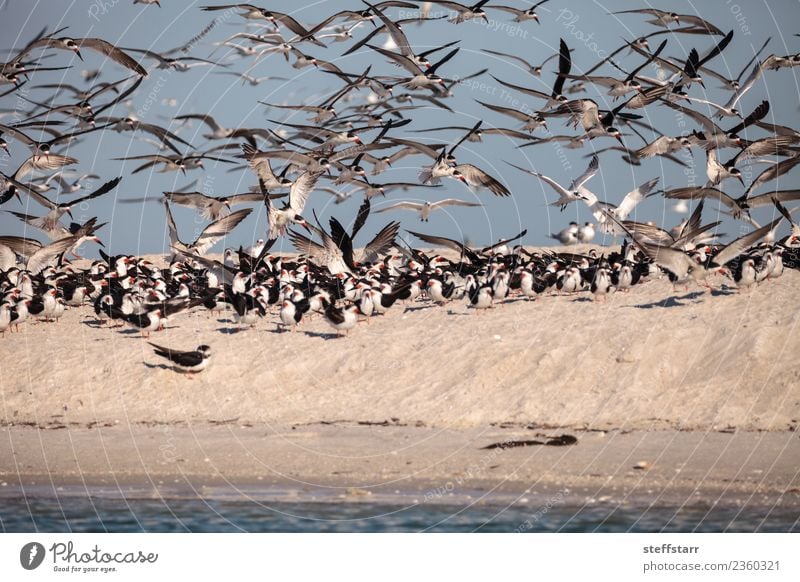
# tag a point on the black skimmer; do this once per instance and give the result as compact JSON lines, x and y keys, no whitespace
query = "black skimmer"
{"x":190,"y":362}
{"x":209,"y":236}
{"x":601,"y":284}
{"x":480,"y":298}
{"x":666,"y":19}
{"x":5,"y":318}
{"x":146,"y":322}
{"x":291,"y":313}
{"x":342,"y":319}
{"x":96,"y":44}
{"x":521,"y":14}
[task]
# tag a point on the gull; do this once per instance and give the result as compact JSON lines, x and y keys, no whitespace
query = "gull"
{"x":471,"y":175}
{"x":424,"y":209}
{"x":341,"y":33}
{"x":82,"y":110}
{"x":281,"y":219}
{"x":586,"y":113}
{"x":325,"y":110}
{"x":576,"y":190}
{"x":262,"y":168}
{"x":601,"y":210}
{"x":567,"y":236}
{"x":165,"y":137}
{"x":397,"y":37}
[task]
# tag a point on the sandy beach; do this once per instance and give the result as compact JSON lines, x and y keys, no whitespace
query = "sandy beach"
{"x":673,"y":396}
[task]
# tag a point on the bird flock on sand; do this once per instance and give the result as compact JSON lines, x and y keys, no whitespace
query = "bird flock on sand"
{"x":357,"y":132}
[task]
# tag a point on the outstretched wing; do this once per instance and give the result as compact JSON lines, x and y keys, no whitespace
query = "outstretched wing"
{"x":48,"y":255}
{"x":218,"y":230}
{"x":381,"y":244}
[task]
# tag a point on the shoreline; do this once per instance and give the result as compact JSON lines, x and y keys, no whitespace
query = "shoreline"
{"x":404,"y":465}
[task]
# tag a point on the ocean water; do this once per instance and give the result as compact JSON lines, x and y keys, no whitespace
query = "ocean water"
{"x":91,"y":514}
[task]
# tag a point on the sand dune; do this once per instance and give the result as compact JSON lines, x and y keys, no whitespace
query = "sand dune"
{"x":650,"y":358}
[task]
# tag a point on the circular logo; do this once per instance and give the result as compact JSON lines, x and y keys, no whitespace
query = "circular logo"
{"x":31,"y":555}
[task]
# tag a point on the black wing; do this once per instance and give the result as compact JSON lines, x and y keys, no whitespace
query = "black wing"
{"x":105,"y":188}
{"x":564,"y":66}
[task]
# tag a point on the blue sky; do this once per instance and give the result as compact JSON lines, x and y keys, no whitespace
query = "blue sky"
{"x":585,"y":26}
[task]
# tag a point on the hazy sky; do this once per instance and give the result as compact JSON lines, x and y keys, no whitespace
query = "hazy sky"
{"x":586,"y":27}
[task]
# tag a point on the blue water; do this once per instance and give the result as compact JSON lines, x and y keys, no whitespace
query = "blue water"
{"x":84,"y":514}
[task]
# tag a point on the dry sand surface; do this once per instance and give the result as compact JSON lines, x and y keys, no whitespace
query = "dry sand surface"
{"x":643,"y":368}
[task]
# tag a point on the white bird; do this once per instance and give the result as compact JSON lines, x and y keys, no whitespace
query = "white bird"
{"x":424,"y":209}
{"x":569,"y":235}
{"x":576,"y":190}
{"x":281,"y":219}
{"x":621,"y":212}
{"x":586,"y":232}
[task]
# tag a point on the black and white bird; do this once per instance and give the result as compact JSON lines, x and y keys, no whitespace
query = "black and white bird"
{"x":190,"y":362}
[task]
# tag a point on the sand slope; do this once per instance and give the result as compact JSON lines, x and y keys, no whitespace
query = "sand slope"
{"x":651,"y":358}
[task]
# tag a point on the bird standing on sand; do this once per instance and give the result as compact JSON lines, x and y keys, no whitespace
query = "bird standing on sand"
{"x":186,"y":362}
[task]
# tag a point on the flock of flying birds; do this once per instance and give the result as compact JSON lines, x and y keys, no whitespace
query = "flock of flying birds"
{"x":358,"y":132}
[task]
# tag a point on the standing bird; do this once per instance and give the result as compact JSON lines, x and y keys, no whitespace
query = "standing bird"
{"x":186,"y":362}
